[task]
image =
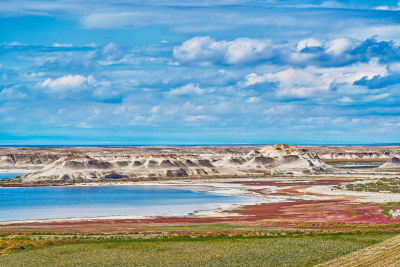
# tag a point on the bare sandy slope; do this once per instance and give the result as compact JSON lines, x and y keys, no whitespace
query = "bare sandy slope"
{"x":393,"y":163}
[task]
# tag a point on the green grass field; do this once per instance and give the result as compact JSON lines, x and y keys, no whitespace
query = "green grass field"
{"x":209,"y":251}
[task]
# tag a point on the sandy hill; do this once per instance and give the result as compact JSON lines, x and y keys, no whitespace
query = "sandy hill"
{"x":289,"y":157}
{"x":393,"y":162}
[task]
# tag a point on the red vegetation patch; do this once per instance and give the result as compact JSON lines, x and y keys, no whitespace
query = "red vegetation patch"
{"x":296,"y":182}
{"x":319,"y":211}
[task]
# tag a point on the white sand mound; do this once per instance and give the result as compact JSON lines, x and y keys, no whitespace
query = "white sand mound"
{"x":393,"y":162}
{"x":289,"y":157}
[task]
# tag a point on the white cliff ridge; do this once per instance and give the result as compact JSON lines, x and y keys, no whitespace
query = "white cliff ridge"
{"x":269,"y":159}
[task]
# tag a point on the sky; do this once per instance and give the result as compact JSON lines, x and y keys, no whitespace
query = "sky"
{"x":76,"y":72}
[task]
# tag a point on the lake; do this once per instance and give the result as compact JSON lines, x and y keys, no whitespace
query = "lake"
{"x":26,"y":203}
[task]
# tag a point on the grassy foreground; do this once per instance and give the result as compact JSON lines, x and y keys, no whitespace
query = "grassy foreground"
{"x":207,"y":251}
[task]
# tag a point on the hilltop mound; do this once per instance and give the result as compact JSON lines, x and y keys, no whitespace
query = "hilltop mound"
{"x":393,"y":162}
{"x":288,"y":157}
{"x":280,"y":150}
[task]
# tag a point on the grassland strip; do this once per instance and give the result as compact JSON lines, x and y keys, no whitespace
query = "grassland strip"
{"x":188,"y":251}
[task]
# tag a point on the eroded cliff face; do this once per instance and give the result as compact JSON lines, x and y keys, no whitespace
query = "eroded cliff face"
{"x":278,"y":158}
{"x":373,"y":153}
{"x":27,"y":158}
{"x":94,"y":163}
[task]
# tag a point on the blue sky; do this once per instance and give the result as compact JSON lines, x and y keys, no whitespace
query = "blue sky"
{"x":199,"y":72}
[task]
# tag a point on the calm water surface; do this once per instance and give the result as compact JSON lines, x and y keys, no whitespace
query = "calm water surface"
{"x":69,"y":202}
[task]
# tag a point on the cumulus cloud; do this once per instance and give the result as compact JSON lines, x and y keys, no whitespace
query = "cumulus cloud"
{"x":12,"y":92}
{"x":62,"y":45}
{"x":244,"y":50}
{"x":208,"y":50}
{"x":308,"y":44}
{"x":155,"y":109}
{"x":385,"y":51}
{"x":111,"y":51}
{"x":339,"y":52}
{"x":15,"y":43}
{"x":340,"y":45}
{"x":252,"y":79}
{"x":253,"y":99}
{"x":68,"y":82}
{"x":311,"y":51}
{"x":194,"y":118}
{"x":346,"y":100}
{"x":305,"y":82}
{"x":393,"y":8}
{"x":188,"y":89}
{"x":299,"y":83}
{"x":379,"y":81}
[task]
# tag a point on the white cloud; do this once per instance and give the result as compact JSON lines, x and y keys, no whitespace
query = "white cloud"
{"x":393,"y":8}
{"x":336,"y":46}
{"x":83,"y":125}
{"x":382,"y":8}
{"x":253,"y":99}
{"x":371,"y":98}
{"x":15,"y":43}
{"x":346,"y":100}
{"x":155,"y":109}
{"x":340,"y":45}
{"x":308,"y":43}
{"x":243,"y":50}
{"x":193,"y":118}
{"x":12,"y":92}
{"x":187,"y":89}
{"x":299,"y":82}
{"x":111,"y":51}
{"x":207,"y":50}
{"x":200,"y":49}
{"x":67,"y":82}
{"x":305,"y":82}
{"x":253,"y":79}
{"x":62,"y":45}
{"x":124,"y":109}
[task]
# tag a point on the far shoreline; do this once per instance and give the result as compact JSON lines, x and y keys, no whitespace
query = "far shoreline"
{"x":214,"y":210}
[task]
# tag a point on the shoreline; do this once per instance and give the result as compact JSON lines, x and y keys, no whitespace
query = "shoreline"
{"x":261,"y":191}
{"x":194,"y":210}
